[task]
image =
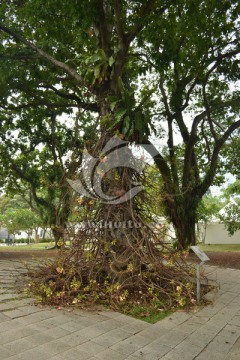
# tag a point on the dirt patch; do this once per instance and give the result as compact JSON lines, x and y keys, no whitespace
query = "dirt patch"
{"x":217,"y":258}
{"x":27,"y":255}
{"x":221,"y":258}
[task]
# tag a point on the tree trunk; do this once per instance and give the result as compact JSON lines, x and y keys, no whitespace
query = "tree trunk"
{"x":183,"y":216}
{"x":186,"y":231}
{"x":58,"y":233}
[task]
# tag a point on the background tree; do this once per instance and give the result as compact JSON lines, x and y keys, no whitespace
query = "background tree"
{"x":231,"y":215}
{"x":208,"y":211}
{"x":37,"y":160}
{"x":16,"y":220}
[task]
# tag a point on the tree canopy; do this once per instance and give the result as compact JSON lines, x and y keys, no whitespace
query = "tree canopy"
{"x":129,"y":68}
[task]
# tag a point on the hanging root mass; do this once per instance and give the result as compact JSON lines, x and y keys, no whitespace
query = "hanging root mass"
{"x":129,"y":265}
{"x":117,"y":257}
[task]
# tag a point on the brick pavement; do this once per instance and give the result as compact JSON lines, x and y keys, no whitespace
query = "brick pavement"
{"x":31,"y":332}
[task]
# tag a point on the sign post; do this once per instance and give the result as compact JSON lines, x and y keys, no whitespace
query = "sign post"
{"x":203,"y":257}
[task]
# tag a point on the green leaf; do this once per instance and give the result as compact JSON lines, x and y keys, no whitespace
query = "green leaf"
{"x":111,"y":61}
{"x":126,"y":125}
{"x":119,"y":114}
{"x":97,"y":71}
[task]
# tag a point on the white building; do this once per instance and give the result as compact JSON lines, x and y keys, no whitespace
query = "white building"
{"x":216,"y":233}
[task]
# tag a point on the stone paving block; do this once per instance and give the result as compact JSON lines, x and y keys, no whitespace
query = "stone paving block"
{"x":9,"y":325}
{"x":11,"y":313}
{"x":227,"y":297}
{"x":232,"y":357}
{"x":138,"y":340}
{"x":126,"y":319}
{"x":134,"y":329}
{"x":166,"y":324}
{"x":14,"y":357}
{"x":214,"y":327}
{"x":235,"y":321}
{"x":151,"y":352}
{"x":91,"y":348}
{"x":15,"y":334}
{"x":125,"y":348}
{"x":94,"y":316}
{"x":112,"y":324}
{"x":57,"y":332}
{"x":146,"y":357}
{"x":110,"y":314}
{"x":30,"y":309}
{"x":190,"y":348}
{"x":220,"y":344}
{"x":55,"y":347}
{"x":3,"y":318}
{"x":198,"y":320}
{"x":82,"y":322}
{"x":110,"y":354}
{"x":12,"y":296}
{"x":153,"y":333}
{"x":187,"y":327}
{"x":200,"y":339}
{"x":5,"y":353}
{"x":18,"y":346}
{"x":35,"y":353}
{"x":172,"y":338}
{"x":180,"y":317}
{"x":230,"y":331}
{"x":90,"y":332}
{"x":236,"y":348}
{"x":37,"y":317}
{"x":55,"y":321}
{"x":205,"y":330}
{"x":39,"y":338}
{"x":119,"y":334}
{"x":182,"y":354}
{"x":73,"y":339}
{"x":209,"y":355}
{"x":106,"y":340}
{"x":14,"y":304}
{"x":75,"y":354}
{"x":40,"y":327}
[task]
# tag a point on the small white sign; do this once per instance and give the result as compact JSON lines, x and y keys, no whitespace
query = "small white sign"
{"x":200,"y":254}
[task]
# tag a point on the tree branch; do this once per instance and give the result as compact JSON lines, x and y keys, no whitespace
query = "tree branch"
{"x":200,"y":117}
{"x":118,"y":21}
{"x":143,"y":12}
{"x":43,"y":54}
{"x":161,"y":164}
{"x":213,"y":164}
{"x":37,"y":104}
{"x":90,"y":106}
{"x":103,"y":28}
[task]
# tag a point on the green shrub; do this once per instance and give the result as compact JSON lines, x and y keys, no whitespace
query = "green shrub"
{"x":44,"y":240}
{"x":23,"y":241}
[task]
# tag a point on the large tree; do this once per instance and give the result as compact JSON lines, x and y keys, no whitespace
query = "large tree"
{"x":170,"y":66}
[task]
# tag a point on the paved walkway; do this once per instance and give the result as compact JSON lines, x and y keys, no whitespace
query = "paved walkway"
{"x":28,"y":332}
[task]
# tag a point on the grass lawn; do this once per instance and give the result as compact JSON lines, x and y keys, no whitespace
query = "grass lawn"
{"x":223,"y":248}
{"x":40,"y":246}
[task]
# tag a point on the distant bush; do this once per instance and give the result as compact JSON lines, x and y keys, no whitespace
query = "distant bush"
{"x":23,"y":241}
{"x":44,"y":240}
{"x":2,"y":241}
